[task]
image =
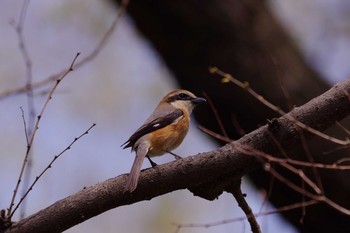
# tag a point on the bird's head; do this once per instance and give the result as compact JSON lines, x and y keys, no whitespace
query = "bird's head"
{"x":183,"y":99}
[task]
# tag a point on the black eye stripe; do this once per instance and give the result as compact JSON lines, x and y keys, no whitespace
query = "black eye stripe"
{"x":180,"y":96}
{"x":183,"y":96}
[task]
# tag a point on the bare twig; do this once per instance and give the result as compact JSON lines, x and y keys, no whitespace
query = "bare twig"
{"x":235,"y":190}
{"x":267,"y":194}
{"x":245,"y":86}
{"x":343,"y":128}
{"x":58,"y":77}
{"x":342,"y":160}
{"x":278,"y":145}
{"x":48,"y":167}
{"x":25,"y":126}
{"x":236,"y":125}
{"x":226,"y":221}
{"x":28,"y":63}
{"x":303,"y":209}
{"x":36,"y":126}
{"x":311,"y":159}
{"x":28,"y":78}
{"x":320,"y":198}
{"x":215,"y":135}
{"x":101,"y":44}
{"x":259,"y":154}
{"x":29,"y":90}
{"x":217,"y":117}
{"x":270,"y":158}
{"x":286,"y":163}
{"x":289,"y":102}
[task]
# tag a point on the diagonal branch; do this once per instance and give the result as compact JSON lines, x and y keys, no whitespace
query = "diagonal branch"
{"x":206,"y":174}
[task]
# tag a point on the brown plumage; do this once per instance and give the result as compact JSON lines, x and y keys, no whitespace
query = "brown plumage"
{"x":162,"y":132}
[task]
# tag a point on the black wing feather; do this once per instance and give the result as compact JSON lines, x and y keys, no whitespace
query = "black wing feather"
{"x":153,"y":125}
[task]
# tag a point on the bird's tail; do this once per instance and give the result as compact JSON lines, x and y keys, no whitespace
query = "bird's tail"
{"x":136,"y":169}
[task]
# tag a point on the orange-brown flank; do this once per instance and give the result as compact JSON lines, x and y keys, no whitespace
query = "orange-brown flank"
{"x":172,"y":135}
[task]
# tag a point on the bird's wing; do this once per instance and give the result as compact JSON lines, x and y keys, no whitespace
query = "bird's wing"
{"x":153,"y":125}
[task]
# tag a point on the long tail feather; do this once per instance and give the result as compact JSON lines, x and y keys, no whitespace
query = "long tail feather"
{"x":136,"y":169}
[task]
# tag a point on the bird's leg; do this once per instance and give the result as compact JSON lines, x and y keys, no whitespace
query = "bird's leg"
{"x":153,"y":164}
{"x":177,"y":157}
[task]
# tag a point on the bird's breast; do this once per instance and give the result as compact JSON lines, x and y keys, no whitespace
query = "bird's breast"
{"x":168,"y":138}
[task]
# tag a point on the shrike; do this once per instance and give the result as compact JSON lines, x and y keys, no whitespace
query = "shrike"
{"x":162,"y":132}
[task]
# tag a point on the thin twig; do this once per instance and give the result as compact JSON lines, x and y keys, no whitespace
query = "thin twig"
{"x":213,"y":134}
{"x":216,"y":114}
{"x":28,"y":63}
{"x":48,"y":167}
{"x":342,"y":160}
{"x":303,"y":209}
{"x":25,"y":126}
{"x":270,"y":158}
{"x":289,"y":101}
{"x":343,"y":128}
{"x":321,"y":198}
{"x":241,"y":132}
{"x":267,"y":194}
{"x":235,"y":190}
{"x":29,"y":90}
{"x":277,"y":144}
{"x":226,"y":221}
{"x":100,"y":45}
{"x":286,"y":164}
{"x":245,"y":86}
{"x":281,"y":161}
{"x":310,"y":159}
{"x":36,"y":127}
{"x":19,"y":27}
{"x":56,"y":77}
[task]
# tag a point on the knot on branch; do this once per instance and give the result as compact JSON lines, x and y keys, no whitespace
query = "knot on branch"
{"x":5,"y":221}
{"x":274,"y":125}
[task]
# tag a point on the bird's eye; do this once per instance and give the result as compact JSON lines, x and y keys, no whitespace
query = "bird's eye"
{"x":183,"y":96}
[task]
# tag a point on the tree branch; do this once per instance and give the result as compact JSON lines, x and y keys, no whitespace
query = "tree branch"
{"x":206,"y":174}
{"x":235,"y":190}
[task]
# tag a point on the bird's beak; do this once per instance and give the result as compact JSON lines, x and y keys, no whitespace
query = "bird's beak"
{"x":198,"y":100}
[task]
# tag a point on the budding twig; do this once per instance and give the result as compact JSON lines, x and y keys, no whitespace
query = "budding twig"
{"x":48,"y":167}
{"x":245,"y":86}
{"x":36,"y":127}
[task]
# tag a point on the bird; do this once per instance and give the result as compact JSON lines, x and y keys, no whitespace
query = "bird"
{"x":162,"y":132}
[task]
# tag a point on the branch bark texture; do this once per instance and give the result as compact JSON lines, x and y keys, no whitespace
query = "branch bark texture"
{"x":206,"y":174}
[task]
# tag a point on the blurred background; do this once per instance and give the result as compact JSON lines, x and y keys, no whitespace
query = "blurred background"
{"x":117,"y":90}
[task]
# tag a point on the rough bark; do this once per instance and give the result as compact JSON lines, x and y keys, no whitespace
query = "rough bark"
{"x":223,"y":165}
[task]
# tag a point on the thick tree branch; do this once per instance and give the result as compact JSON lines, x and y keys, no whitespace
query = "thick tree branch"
{"x":206,"y":174}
